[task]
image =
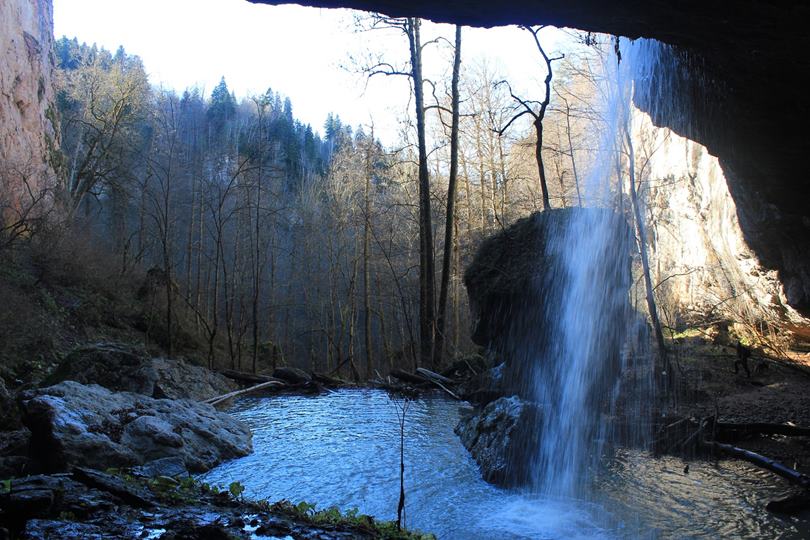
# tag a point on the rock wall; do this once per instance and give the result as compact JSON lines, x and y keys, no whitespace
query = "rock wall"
{"x":29,"y":140}
{"x":698,"y":250}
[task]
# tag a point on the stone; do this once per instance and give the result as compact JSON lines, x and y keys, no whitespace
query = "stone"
{"x":170,"y":467}
{"x":112,"y":484}
{"x":14,"y":443}
{"x":514,"y":284}
{"x":180,"y":380}
{"x":32,"y":496}
{"x":29,"y":128}
{"x":502,"y":438}
{"x":9,"y":413}
{"x":127,"y":368}
{"x":17,"y":466}
{"x":484,"y":387}
{"x":292,"y":375}
{"x":87,"y":425}
{"x":114,"y":366}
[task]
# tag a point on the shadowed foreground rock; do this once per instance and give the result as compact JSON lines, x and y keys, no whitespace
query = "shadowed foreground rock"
{"x":88,"y":503}
{"x":87,"y":425}
{"x":501,"y":438}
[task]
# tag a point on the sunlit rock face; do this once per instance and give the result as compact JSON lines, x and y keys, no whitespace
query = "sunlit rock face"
{"x":700,"y":257}
{"x":28,"y":136}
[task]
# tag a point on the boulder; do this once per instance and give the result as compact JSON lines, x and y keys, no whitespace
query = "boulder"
{"x":130,"y":369}
{"x":483,"y":387}
{"x":502,"y":439}
{"x":112,"y":365}
{"x":87,"y":425}
{"x":520,"y":284}
{"x":170,"y":467}
{"x":180,"y":380}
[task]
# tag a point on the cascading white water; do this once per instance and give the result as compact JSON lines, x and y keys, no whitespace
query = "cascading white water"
{"x":589,"y":318}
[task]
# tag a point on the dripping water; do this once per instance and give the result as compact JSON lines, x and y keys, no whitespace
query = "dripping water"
{"x":584,"y":365}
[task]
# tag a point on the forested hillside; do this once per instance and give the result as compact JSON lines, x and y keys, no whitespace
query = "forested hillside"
{"x":253,"y":241}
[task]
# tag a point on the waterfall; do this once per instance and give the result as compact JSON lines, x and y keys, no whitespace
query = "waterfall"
{"x":587,"y":317}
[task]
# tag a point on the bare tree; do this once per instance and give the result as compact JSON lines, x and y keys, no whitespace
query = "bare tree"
{"x":539,"y":115}
{"x":451,"y":202}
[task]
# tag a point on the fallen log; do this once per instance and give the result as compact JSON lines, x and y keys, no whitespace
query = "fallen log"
{"x":761,"y":428}
{"x":245,"y":378}
{"x":326,"y":380}
{"x":434,"y":376}
{"x":447,"y":390}
{"x":407,"y":377}
{"x":791,"y":475}
{"x":235,"y":393}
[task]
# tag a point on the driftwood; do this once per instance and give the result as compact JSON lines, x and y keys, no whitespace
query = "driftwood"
{"x":407,"y":377}
{"x":437,"y":380}
{"x":245,"y":378}
{"x":430,"y":375}
{"x":326,"y":380}
{"x":235,"y":393}
{"x":791,"y":475}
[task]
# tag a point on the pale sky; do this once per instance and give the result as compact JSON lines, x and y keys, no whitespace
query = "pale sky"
{"x":297,"y":51}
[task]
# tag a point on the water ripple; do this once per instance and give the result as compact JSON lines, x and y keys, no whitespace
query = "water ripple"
{"x":342,"y":449}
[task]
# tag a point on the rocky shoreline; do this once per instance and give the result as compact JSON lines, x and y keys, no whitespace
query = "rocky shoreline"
{"x":105,"y":446}
{"x":137,"y":503}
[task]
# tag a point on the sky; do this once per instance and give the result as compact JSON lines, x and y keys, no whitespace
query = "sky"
{"x":304,"y":53}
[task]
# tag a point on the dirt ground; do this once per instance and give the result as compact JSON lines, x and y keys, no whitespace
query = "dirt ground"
{"x":778,"y":391}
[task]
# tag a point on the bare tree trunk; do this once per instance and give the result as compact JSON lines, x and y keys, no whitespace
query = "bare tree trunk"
{"x":451,"y":208}
{"x":538,"y":154}
{"x":366,"y":255}
{"x":468,"y":193}
{"x":642,"y":245}
{"x":426,"y":266}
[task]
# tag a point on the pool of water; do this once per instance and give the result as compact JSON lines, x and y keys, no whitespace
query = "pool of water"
{"x":342,"y":449}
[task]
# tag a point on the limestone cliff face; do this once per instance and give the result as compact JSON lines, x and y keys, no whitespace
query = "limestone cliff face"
{"x":29,"y":143}
{"x":699,"y":255}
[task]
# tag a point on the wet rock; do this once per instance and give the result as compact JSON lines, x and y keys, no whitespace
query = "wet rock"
{"x":484,"y":387}
{"x":49,"y":529}
{"x":516,"y":285}
{"x":112,"y":484}
{"x":14,"y":443}
{"x":128,"y":368}
{"x":501,"y":438}
{"x":16,"y":466}
{"x":292,"y":375}
{"x":86,"y":425}
{"x":193,"y":531}
{"x":34,"y":496}
{"x":169,"y":467}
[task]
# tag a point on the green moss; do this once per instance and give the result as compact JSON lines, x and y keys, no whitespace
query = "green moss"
{"x":189,"y":490}
{"x":352,"y":518}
